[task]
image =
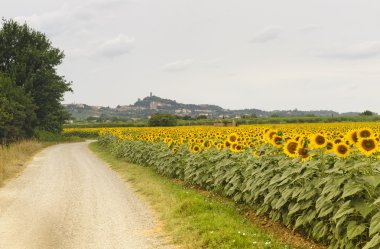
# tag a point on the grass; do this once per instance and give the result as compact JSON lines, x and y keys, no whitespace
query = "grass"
{"x":13,"y":158}
{"x":192,"y":219}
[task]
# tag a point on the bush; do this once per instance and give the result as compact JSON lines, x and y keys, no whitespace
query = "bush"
{"x":159,"y":119}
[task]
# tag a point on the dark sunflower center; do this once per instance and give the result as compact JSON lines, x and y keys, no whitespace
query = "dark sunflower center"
{"x":342,"y":149}
{"x":368,"y":144}
{"x":292,"y":147}
{"x":365,"y":133}
{"x":320,"y":140}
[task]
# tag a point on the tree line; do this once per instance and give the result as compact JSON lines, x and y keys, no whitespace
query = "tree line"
{"x":31,"y":90}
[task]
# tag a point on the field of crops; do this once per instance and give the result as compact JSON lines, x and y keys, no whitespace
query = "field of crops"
{"x":320,"y":179}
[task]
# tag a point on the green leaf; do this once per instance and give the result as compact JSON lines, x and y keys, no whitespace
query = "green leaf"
{"x":326,"y":209}
{"x":300,"y":221}
{"x":375,"y":224}
{"x":320,"y":230}
{"x":375,"y":241}
{"x":364,"y":208}
{"x":377,"y":201}
{"x":354,"y":230}
{"x":294,"y":208}
{"x":345,"y":209}
{"x":351,"y":188}
{"x":281,"y":202}
{"x":374,"y":181}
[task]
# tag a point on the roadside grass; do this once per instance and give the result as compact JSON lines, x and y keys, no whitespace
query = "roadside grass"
{"x":192,"y":219}
{"x":14,"y":157}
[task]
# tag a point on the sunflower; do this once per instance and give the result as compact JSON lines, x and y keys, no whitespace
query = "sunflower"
{"x":338,"y":141}
{"x":367,"y":146}
{"x":341,"y":150}
{"x":365,"y":132}
{"x":318,"y":141}
{"x":196,"y":148}
{"x":276,"y":141}
{"x":271,"y":133}
{"x":238,"y":148}
{"x":206,"y":144}
{"x":353,"y":136}
{"x":232,"y":138}
{"x":303,"y":152}
{"x":227,"y":143}
{"x":290,"y":148}
{"x":233,"y":146}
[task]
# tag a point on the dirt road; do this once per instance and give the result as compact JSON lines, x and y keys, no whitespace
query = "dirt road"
{"x":68,"y":198}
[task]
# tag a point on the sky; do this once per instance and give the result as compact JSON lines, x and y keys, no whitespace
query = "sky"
{"x":269,"y":55}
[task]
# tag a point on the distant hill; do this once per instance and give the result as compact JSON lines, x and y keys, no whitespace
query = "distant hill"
{"x":143,"y":108}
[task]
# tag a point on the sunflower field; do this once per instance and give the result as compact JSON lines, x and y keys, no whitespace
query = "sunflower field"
{"x":322,"y":180}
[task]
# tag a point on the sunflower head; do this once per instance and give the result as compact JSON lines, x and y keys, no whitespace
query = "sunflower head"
{"x":196,"y":148}
{"x":367,"y":146}
{"x":290,"y":148}
{"x":341,"y":150}
{"x":303,"y":152}
{"x":365,"y":133}
{"x":232,"y":138}
{"x":270,"y":134}
{"x":353,"y":136}
{"x":206,"y":144}
{"x":236,"y":147}
{"x":318,"y":141}
{"x":276,"y":141}
{"x":227,"y":143}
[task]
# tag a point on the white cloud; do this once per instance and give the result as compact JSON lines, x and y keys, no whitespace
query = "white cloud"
{"x":213,"y":61}
{"x":362,"y":50}
{"x":266,"y":35}
{"x":179,"y":65}
{"x":113,"y":47}
{"x":309,"y":28}
{"x":117,"y":46}
{"x":72,"y":17}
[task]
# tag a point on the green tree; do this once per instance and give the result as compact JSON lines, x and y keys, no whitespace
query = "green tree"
{"x":367,"y":113}
{"x":159,"y":119}
{"x":16,"y":112}
{"x":28,"y":58}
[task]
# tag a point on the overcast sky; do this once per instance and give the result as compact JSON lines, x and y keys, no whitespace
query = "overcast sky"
{"x":269,"y":55}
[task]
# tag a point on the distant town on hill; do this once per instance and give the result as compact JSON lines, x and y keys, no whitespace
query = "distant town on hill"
{"x":144,"y":108}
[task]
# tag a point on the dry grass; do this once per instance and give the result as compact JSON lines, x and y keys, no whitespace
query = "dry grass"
{"x":14,"y":157}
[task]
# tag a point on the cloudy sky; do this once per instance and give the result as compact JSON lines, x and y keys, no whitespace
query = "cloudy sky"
{"x":270,"y":55}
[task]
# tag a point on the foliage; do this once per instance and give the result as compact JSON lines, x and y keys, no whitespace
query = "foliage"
{"x":159,"y":119}
{"x":29,"y":60}
{"x":367,"y":113}
{"x":16,"y":112}
{"x":334,"y":200}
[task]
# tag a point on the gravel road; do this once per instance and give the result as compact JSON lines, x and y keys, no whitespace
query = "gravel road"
{"x":68,"y":198}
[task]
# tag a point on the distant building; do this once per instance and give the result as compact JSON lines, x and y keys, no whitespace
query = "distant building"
{"x":153,"y":105}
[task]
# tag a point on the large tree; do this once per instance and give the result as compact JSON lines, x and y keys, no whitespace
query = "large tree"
{"x":28,"y":58}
